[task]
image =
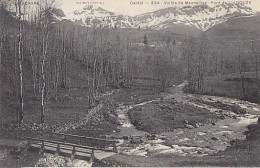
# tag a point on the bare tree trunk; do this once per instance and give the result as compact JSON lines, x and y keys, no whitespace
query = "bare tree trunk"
{"x":20,"y":60}
{"x":43,"y":82}
{"x":256,"y":69}
{"x":240,"y":71}
{"x":43,"y":73}
{"x":1,"y":50}
{"x":33,"y":69}
{"x":216,"y":71}
{"x":56,"y":83}
{"x":64,"y":61}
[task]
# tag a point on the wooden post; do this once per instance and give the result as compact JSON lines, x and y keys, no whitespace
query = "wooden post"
{"x":42,"y":148}
{"x":92,"y":158}
{"x":28,"y":144}
{"x":73,"y":153}
{"x":58,"y":150}
{"x":80,"y":140}
{"x":115,"y":147}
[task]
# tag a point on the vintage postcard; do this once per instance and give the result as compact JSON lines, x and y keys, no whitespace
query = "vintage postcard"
{"x":129,"y":83}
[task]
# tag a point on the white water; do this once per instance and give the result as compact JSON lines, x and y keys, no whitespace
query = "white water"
{"x":200,"y":141}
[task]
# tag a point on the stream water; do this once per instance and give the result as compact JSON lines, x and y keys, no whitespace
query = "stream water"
{"x":200,"y":141}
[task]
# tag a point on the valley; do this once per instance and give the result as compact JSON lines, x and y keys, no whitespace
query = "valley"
{"x":178,"y":86}
{"x":208,"y":132}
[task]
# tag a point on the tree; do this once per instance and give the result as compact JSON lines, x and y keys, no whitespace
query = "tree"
{"x":256,"y":68}
{"x":145,"y":40}
{"x":47,"y":20}
{"x":241,"y":70}
{"x":18,"y":5}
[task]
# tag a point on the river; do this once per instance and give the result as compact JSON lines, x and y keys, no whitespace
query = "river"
{"x":201,"y":141}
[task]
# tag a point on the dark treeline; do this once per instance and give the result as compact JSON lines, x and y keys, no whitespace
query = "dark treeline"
{"x":40,"y":55}
{"x":205,"y":58}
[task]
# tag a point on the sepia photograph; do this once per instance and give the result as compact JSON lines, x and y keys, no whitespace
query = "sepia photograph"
{"x":129,"y":83}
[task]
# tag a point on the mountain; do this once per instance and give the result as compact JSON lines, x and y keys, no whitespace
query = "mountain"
{"x":245,"y":28}
{"x":90,"y":16}
{"x":202,"y":17}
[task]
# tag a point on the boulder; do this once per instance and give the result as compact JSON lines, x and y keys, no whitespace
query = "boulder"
{"x":201,"y":124}
{"x":258,"y":121}
{"x":197,"y":125}
{"x":125,"y":137}
{"x":222,"y":117}
{"x":199,"y":152}
{"x":189,"y":126}
{"x":186,"y":122}
{"x":153,"y":137}
{"x":214,"y":138}
{"x":140,"y":109}
{"x":136,"y":140}
{"x":103,"y":137}
{"x":113,"y":119}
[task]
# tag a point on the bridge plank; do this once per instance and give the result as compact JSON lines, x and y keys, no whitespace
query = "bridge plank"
{"x":67,"y":144}
{"x":84,"y":137}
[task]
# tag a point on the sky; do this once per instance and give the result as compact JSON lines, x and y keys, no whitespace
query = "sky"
{"x":136,"y":7}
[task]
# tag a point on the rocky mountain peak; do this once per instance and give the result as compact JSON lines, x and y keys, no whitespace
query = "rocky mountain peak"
{"x":202,"y":17}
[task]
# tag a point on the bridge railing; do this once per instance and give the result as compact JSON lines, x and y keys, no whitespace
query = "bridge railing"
{"x":56,"y":144}
{"x":96,"y":142}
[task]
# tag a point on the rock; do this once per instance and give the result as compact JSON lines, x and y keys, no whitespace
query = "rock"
{"x":125,"y":137}
{"x":186,"y":122}
{"x":103,"y":136}
{"x":201,"y":124}
{"x":153,"y":137}
{"x":140,"y":109}
{"x":197,"y":125}
{"x":162,"y":137}
{"x":234,"y":117}
{"x":113,"y":119}
{"x":136,"y":140}
{"x":161,"y":106}
{"x":222,"y":117}
{"x":242,"y":111}
{"x":258,"y":121}
{"x":214,"y":138}
{"x":213,"y":123}
{"x":22,"y":145}
{"x":199,"y":152}
{"x":189,"y":126}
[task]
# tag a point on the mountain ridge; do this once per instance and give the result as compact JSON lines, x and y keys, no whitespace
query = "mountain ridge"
{"x":201,"y":17}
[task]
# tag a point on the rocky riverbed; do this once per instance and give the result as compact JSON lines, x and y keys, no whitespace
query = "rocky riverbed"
{"x":234,"y":116}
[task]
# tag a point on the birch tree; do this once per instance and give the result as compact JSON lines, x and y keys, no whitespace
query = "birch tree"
{"x":20,"y":114}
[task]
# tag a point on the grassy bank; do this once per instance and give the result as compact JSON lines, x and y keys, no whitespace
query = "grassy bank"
{"x":230,"y":85}
{"x":71,"y":107}
{"x":161,"y":116}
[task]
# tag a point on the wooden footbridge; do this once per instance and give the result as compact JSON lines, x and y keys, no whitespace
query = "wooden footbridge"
{"x":74,"y":145}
